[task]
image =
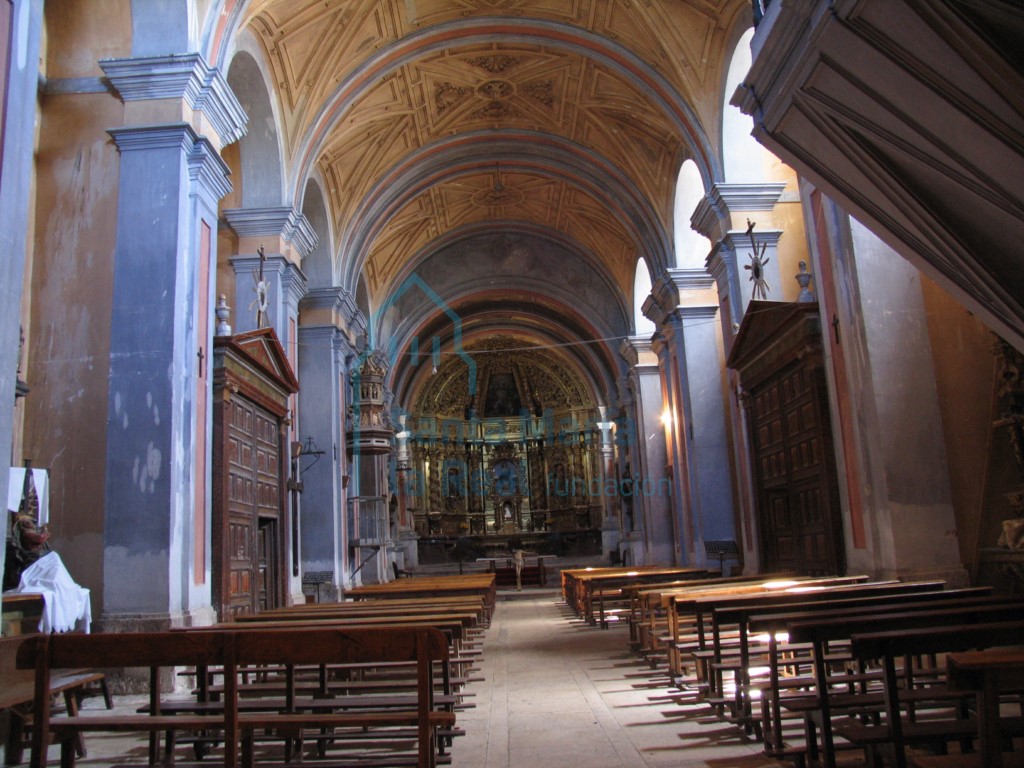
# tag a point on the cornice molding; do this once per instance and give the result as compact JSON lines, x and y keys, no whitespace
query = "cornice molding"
{"x":180,"y":76}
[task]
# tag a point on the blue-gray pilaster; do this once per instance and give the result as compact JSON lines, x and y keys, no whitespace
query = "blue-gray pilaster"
{"x":652,"y":489}
{"x":287,"y":287}
{"x":710,"y":478}
{"x":15,"y":195}
{"x":170,"y":180}
{"x":208,"y":177}
{"x":152,"y":362}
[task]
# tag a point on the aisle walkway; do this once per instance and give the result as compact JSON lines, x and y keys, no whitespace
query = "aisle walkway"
{"x":559,"y":693}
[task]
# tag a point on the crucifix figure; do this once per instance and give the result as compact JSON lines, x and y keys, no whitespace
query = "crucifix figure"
{"x":757,"y":265}
{"x":262,"y":290}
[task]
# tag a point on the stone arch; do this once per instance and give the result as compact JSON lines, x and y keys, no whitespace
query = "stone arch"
{"x":642,"y":325}
{"x":691,"y":247}
{"x":259,"y":150}
{"x":318,"y":265}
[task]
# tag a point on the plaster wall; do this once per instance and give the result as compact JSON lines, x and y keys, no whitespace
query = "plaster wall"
{"x":912,"y":500}
{"x":79,"y":34}
{"x":69,"y":331}
{"x":965,"y":368}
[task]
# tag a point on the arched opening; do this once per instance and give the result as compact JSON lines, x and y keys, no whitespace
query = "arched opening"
{"x":259,"y":151}
{"x":743,"y":158}
{"x":691,"y":246}
{"x":642,"y":325}
{"x":318,"y":265}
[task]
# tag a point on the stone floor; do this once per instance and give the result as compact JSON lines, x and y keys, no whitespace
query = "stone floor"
{"x":555,"y":692}
{"x":560,"y":693}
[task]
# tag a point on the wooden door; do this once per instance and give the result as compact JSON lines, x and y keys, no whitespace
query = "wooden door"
{"x":254,"y":495}
{"x":798,"y":509}
{"x":266,"y":565}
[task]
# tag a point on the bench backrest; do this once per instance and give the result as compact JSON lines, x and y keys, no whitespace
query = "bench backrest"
{"x":826,"y":630}
{"x":735,"y":610}
{"x":765,"y":619}
{"x":936,"y":639}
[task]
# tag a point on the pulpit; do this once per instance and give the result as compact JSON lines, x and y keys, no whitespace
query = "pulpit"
{"x":252,"y":381}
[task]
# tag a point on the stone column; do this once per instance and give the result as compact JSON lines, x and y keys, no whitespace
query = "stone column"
{"x":611,"y":525}
{"x":684,"y":305}
{"x":722,"y":217}
{"x":325,"y":337}
{"x":652,"y":487}
{"x":169,"y":182}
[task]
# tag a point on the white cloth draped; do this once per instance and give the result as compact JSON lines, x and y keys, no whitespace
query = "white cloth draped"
{"x":66,"y":606}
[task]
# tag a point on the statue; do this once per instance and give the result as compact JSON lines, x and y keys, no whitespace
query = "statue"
{"x":27,"y":540}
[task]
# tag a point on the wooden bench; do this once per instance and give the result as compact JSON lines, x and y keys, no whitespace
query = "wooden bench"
{"x":734,"y":654}
{"x":934,"y":633}
{"x":688,"y":634}
{"x":17,"y":691}
{"x":988,"y":674}
{"x":785,"y":661}
{"x":234,"y":650}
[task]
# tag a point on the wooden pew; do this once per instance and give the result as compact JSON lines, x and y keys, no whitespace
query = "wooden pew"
{"x":686,"y":628}
{"x":647,"y":604}
{"x":482,"y":584}
{"x":234,"y":650}
{"x":17,"y":691}
{"x":592,"y":590}
{"x":784,"y":658}
{"x":821,"y":632}
{"x":988,"y":674}
{"x":573,"y":580}
{"x":734,"y":655}
{"x":889,"y":645}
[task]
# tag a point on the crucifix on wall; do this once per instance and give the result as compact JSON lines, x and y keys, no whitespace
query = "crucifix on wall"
{"x":261,"y":287}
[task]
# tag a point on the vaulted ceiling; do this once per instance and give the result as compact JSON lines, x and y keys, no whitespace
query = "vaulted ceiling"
{"x":543,"y":137}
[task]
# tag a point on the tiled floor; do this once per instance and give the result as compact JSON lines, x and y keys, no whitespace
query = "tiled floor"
{"x":557,"y":693}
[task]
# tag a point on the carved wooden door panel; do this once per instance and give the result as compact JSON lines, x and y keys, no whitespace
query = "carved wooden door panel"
{"x":253,"y":496}
{"x":798,"y":510}
{"x":241,"y":506}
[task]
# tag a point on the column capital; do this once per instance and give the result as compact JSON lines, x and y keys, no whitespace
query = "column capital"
{"x":678,"y":287}
{"x":333,"y":306}
{"x":282,"y":222}
{"x":209,"y":173}
{"x":137,"y":138}
{"x":638,"y":352}
{"x":713,"y":215}
{"x":184,"y":77}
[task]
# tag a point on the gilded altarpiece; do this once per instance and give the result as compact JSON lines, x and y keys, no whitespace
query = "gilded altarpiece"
{"x":518,"y":452}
